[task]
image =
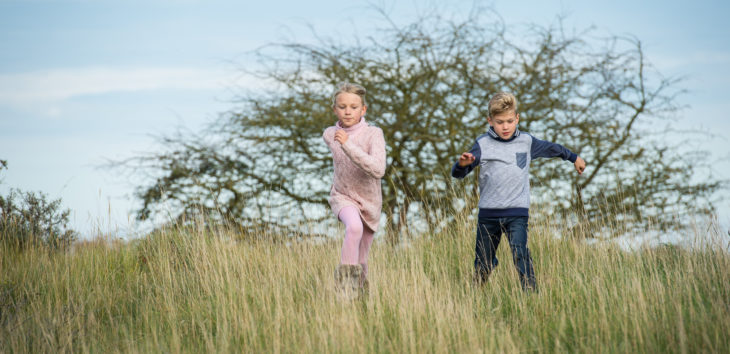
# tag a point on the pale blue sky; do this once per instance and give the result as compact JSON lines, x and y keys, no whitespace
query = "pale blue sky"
{"x":81,"y":81}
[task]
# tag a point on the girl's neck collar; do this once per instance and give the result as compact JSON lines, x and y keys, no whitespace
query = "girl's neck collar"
{"x":354,"y":127}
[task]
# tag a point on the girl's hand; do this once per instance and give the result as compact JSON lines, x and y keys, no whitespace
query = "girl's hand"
{"x":466,"y":159}
{"x":341,"y":136}
{"x":580,"y":165}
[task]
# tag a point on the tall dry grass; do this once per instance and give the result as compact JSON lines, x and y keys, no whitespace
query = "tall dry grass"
{"x":194,"y":290}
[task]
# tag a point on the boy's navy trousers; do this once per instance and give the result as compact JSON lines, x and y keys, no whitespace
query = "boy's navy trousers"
{"x":489,"y":233}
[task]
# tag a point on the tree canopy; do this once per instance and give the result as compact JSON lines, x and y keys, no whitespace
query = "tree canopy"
{"x":264,"y":164}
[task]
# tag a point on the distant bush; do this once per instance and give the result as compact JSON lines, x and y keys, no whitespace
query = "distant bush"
{"x":29,"y":218}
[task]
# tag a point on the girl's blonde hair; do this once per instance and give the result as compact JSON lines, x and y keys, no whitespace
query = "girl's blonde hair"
{"x":502,"y":102}
{"x":349,"y":88}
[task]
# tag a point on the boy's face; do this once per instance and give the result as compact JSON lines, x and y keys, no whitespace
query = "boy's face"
{"x":349,"y":109}
{"x":504,"y":124}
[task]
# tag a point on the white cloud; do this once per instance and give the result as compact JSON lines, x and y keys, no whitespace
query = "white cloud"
{"x":49,"y":86}
{"x":698,"y":59}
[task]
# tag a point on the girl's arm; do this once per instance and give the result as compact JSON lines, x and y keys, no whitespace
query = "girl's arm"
{"x":328,"y":136}
{"x":374,"y":163}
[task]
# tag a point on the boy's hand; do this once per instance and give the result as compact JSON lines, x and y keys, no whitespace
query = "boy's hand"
{"x":467,"y":159}
{"x":341,"y":136}
{"x":580,"y":165}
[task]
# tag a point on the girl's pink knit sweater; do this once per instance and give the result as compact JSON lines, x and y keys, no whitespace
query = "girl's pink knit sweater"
{"x":359,"y":166}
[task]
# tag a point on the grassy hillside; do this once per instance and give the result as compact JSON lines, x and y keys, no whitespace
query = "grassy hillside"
{"x":193,"y":291}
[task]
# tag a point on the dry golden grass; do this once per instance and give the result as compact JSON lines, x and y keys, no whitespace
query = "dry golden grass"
{"x":187,"y":290}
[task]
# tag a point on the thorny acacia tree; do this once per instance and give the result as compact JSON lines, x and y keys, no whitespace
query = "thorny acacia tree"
{"x":264,"y":162}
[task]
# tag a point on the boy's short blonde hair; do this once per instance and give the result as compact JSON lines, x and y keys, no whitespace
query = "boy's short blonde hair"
{"x":349,"y":88}
{"x":502,"y":102}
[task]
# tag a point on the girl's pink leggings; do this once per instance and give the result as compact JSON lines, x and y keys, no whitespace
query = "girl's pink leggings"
{"x":358,"y":238}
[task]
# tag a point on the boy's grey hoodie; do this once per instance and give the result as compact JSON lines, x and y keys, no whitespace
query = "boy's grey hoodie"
{"x":504,"y":176}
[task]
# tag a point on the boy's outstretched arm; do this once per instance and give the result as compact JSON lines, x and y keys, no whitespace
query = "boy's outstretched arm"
{"x":580,"y":165}
{"x":542,"y":148}
{"x":467,"y":162}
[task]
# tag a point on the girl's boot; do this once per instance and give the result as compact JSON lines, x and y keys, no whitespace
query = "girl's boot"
{"x":364,"y":283}
{"x":347,"y":281}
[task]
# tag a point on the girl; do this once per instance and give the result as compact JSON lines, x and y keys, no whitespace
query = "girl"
{"x":358,"y":154}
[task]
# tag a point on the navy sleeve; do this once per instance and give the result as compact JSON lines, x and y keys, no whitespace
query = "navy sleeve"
{"x":542,"y":148}
{"x":461,"y":172}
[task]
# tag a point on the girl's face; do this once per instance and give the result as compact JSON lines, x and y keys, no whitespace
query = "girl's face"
{"x":504,"y":124}
{"x":349,"y":109}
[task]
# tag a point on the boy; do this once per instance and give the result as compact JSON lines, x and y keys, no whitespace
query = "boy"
{"x":504,"y":154}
